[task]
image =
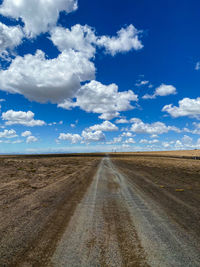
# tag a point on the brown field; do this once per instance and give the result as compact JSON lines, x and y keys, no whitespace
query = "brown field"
{"x":174,"y":153}
{"x":39,"y":195}
{"x":37,"y":198}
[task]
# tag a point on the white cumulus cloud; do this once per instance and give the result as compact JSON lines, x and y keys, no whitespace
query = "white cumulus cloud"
{"x":162,"y":90}
{"x":141,"y":83}
{"x":8,"y":134}
{"x":42,"y":80}
{"x":187,"y":107}
{"x":121,"y":121}
{"x":129,"y":141}
{"x":26,"y":133}
{"x":103,"y":99}
{"x":93,"y":136}
{"x":84,"y":39}
{"x":126,"y":134}
{"x":39,"y":16}
{"x":127,"y":39}
{"x":79,"y":38}
{"x":105,"y":126}
{"x":22,"y":118}
{"x":86,"y":136}
{"x":10,"y":37}
{"x":140,"y":127}
{"x":73,"y":138}
{"x":31,"y":139}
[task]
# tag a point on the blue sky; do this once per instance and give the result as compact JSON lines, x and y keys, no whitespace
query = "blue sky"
{"x":86,"y":76}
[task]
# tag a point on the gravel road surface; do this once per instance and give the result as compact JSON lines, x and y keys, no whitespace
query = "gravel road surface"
{"x":116,"y":224}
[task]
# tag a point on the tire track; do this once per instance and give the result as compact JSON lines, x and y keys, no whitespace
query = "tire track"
{"x":116,"y":224}
{"x":164,"y":242}
{"x":101,"y":232}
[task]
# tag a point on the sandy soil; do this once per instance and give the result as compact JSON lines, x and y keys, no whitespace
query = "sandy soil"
{"x":99,"y":211}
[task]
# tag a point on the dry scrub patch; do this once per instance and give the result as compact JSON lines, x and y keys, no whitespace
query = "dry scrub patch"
{"x":174,"y":185}
{"x":37,"y":198}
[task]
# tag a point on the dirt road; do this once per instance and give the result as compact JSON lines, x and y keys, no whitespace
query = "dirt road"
{"x":99,"y":211}
{"x":38,"y":196}
{"x":117,"y":224}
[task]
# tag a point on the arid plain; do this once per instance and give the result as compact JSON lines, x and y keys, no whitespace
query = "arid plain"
{"x":117,"y":209}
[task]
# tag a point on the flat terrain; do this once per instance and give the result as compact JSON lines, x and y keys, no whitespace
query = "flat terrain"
{"x":176,"y":153}
{"x":96,"y":210}
{"x":37,"y":198}
{"x":171,"y":188}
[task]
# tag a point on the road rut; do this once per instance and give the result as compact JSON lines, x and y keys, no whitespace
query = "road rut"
{"x":115,"y":224}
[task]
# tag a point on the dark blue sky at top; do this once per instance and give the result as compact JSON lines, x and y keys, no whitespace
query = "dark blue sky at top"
{"x":171,"y":45}
{"x":171,"y":38}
